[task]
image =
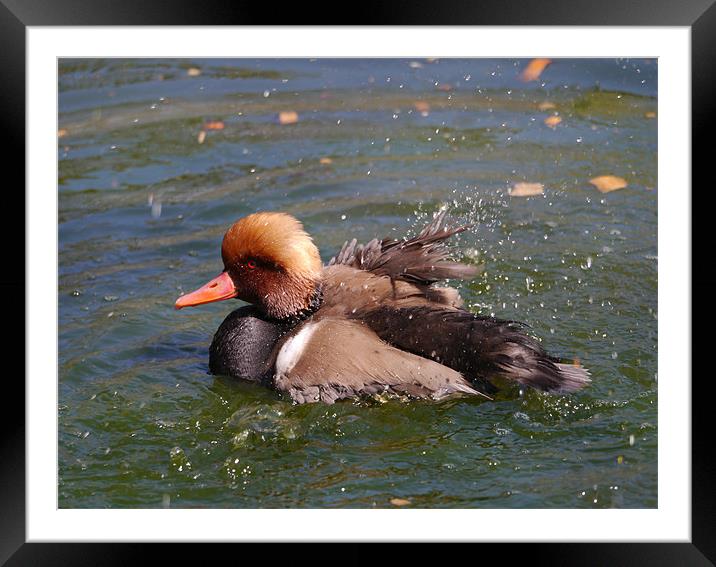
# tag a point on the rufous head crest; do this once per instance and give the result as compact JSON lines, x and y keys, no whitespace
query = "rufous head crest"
{"x":276,"y":238}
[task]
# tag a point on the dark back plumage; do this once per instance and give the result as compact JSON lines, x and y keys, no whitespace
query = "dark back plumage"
{"x":478,"y":346}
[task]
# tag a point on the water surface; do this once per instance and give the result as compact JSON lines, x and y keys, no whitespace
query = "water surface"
{"x":145,"y":197}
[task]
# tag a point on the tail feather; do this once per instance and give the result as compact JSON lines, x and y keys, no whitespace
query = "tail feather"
{"x":573,"y":377}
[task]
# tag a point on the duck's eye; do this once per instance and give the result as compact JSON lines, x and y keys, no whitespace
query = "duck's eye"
{"x":251,"y":264}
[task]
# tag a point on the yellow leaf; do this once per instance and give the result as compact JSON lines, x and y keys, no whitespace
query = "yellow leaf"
{"x":287,"y":117}
{"x":552,"y":121}
{"x":526,"y":189}
{"x":193,"y":71}
{"x":399,"y":501}
{"x":607,"y":183}
{"x":534,"y":69}
{"x":422,"y":107}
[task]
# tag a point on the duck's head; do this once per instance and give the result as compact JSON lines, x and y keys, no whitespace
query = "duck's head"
{"x":269,"y":261}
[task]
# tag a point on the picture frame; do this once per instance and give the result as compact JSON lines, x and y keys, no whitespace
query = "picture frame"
{"x":699,"y":16}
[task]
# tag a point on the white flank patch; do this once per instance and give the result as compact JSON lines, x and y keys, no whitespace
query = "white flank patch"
{"x":293,"y":348}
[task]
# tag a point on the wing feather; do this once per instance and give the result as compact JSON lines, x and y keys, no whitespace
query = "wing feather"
{"x":345,"y":359}
{"x":423,"y":259}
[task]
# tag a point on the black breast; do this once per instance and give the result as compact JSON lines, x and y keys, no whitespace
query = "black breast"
{"x":243,"y":345}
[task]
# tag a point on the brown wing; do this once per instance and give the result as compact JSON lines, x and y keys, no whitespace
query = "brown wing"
{"x":423,"y":259}
{"x":347,"y":290}
{"x":334,"y":359}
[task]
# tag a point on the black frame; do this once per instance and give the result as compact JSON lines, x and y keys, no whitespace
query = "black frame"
{"x":700,"y":15}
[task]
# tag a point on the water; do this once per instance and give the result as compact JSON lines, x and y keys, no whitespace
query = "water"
{"x":144,"y":199}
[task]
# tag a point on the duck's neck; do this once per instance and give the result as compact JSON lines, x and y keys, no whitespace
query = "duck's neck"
{"x":314,"y":303}
{"x":294,"y":304}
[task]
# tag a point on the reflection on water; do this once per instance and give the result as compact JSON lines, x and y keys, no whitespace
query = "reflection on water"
{"x":158,"y":157}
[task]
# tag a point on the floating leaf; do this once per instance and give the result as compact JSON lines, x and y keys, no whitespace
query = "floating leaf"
{"x":201,"y":137}
{"x":546,"y":105}
{"x":607,"y":183}
{"x":287,"y":117}
{"x":422,"y":107}
{"x":214,"y":125}
{"x":526,"y":189}
{"x":193,"y":71}
{"x":534,"y":69}
{"x":552,"y":121}
{"x":650,"y":114}
{"x":62,"y":132}
{"x":325,"y":161}
{"x":445,"y":87}
{"x":399,"y":501}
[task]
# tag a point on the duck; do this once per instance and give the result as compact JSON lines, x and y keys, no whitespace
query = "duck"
{"x":377,"y":320}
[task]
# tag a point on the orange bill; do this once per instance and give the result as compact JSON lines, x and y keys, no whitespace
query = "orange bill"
{"x":221,"y":287}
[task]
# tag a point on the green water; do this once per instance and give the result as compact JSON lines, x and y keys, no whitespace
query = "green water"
{"x":143,"y":206}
